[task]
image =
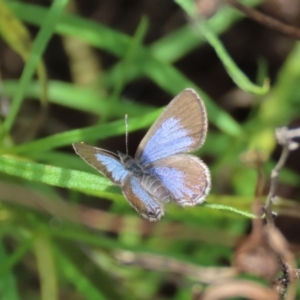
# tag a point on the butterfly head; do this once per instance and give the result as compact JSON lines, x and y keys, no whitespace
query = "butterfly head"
{"x":132,"y":165}
{"x":125,"y":159}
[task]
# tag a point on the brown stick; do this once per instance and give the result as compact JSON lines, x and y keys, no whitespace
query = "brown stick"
{"x":270,"y":22}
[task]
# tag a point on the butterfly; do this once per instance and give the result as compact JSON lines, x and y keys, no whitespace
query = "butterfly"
{"x":160,"y":171}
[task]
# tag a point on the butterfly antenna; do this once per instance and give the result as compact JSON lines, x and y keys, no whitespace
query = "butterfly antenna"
{"x":126,"y":134}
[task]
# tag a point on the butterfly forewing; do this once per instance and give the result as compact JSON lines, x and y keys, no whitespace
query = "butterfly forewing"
{"x":103,"y":162}
{"x":180,"y":128}
{"x":185,"y":176}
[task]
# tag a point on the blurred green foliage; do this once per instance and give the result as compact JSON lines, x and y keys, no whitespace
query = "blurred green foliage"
{"x":75,"y":262}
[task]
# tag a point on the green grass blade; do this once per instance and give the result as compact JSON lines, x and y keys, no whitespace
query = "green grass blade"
{"x":80,"y":98}
{"x":82,"y":181}
{"x":77,"y":278}
{"x":87,"y":134}
{"x":38,"y":48}
{"x":236,"y":74}
{"x":57,"y":176}
{"x":128,"y":59}
{"x":14,"y":258}
{"x":46,"y":267}
{"x":8,"y":286}
{"x":93,"y":33}
{"x":229,"y":208}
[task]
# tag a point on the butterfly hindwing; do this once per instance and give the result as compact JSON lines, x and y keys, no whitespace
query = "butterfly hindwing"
{"x":142,"y":201}
{"x":103,"y":162}
{"x":180,"y":128}
{"x":185,"y":176}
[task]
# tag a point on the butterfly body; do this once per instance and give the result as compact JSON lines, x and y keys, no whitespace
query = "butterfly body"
{"x":160,"y":171}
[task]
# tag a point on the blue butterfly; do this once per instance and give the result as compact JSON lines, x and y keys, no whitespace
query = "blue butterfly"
{"x":160,"y":170}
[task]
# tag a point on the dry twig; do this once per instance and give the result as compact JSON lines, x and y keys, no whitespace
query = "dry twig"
{"x":268,"y":21}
